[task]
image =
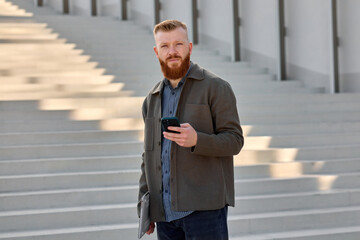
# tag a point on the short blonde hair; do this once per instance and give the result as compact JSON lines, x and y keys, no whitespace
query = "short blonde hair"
{"x":169,"y":25}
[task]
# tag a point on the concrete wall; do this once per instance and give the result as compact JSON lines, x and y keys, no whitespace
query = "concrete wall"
{"x":80,"y":7}
{"x":258,"y":33}
{"x":57,"y":5}
{"x":180,"y":10}
{"x":307,"y":40}
{"x":142,"y":12}
{"x":215,"y":25}
{"x":349,"y":50}
{"x":109,"y":8}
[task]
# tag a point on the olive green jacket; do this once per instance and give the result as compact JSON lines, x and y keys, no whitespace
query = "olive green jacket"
{"x":202,"y":177}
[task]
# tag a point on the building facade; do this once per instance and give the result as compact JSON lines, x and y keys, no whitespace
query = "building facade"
{"x":316,"y":42}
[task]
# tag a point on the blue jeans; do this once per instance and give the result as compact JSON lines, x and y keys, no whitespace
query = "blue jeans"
{"x":200,"y":225}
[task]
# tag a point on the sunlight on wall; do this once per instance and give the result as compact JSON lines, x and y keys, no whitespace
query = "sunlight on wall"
{"x":286,"y":170}
{"x":326,"y":182}
{"x":105,"y":113}
{"x":318,"y":166}
{"x":247,"y":129}
{"x":267,"y":155}
{"x":258,"y":142}
{"x":122,"y":124}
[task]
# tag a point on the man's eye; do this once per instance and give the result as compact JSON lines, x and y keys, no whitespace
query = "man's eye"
{"x":163,"y":46}
{"x":179,"y":44}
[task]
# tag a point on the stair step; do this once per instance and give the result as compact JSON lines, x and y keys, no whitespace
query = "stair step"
{"x":15,"y":115}
{"x":37,"y":41}
{"x":34,"y":53}
{"x":271,"y":203}
{"x":21,"y":88}
{"x":335,"y":233}
{"x":306,"y":183}
{"x":69,"y":164}
{"x":33,"y":36}
{"x":10,"y":26}
{"x":108,"y":232}
{"x":124,"y":103}
{"x":61,"y":72}
{"x":38,"y":138}
{"x":127,"y":194}
{"x":27,"y":220}
{"x":322,"y":118}
{"x":104,"y":79}
{"x":60,"y":94}
{"x":296,"y":168}
{"x":300,"y":128}
{"x":249,"y":156}
{"x":69,"y":180}
{"x":70,"y":150}
{"x":51,"y":126}
{"x":74,"y":197}
{"x":245,"y":187}
{"x":70,"y":58}
{"x":48,"y":65}
{"x":289,"y":221}
{"x":311,"y":140}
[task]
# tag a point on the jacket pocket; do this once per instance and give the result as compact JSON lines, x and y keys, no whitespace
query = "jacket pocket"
{"x":149,"y":134}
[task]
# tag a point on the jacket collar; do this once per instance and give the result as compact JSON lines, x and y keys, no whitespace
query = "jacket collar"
{"x":196,"y":73}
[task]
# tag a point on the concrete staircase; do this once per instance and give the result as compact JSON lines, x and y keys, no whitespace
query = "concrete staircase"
{"x":71,"y":136}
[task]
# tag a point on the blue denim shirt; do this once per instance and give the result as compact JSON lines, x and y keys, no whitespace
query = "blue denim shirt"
{"x":170,"y":99}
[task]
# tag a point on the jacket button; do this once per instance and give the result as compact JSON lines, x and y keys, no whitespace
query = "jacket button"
{"x":159,"y":143}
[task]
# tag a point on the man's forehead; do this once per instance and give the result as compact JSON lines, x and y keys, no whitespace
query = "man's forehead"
{"x":178,"y":34}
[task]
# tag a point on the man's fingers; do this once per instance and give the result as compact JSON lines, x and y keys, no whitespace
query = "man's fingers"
{"x":177,"y":129}
{"x":185,"y":125}
{"x":151,"y":228}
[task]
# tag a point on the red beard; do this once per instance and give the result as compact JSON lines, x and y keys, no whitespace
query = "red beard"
{"x":178,"y":72}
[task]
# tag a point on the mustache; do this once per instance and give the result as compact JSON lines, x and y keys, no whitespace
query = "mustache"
{"x":175,"y":56}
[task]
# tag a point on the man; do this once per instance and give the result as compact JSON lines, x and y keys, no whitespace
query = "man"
{"x":190,"y":174}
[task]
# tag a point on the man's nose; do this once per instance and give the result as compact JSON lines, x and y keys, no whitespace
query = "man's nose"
{"x":172,"y":50}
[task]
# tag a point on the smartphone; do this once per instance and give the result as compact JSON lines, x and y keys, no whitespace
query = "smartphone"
{"x":170,"y":122}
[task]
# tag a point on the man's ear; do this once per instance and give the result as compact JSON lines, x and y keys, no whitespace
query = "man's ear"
{"x":190,"y":47}
{"x":156,"y":52}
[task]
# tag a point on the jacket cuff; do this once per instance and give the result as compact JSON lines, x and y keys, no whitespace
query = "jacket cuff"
{"x":200,"y":148}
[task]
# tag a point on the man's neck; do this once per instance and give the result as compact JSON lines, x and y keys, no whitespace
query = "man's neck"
{"x":174,"y":83}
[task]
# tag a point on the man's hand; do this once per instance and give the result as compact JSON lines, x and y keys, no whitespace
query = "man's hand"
{"x":151,"y":228}
{"x":187,"y":136}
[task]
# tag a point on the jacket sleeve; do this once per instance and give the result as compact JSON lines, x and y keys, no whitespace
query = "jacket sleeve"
{"x":143,"y":187}
{"x":227,"y":139}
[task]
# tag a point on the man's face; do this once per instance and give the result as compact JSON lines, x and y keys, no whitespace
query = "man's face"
{"x":173,"y":51}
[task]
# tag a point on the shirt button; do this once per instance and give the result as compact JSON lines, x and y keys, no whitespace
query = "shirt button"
{"x":173,"y":93}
